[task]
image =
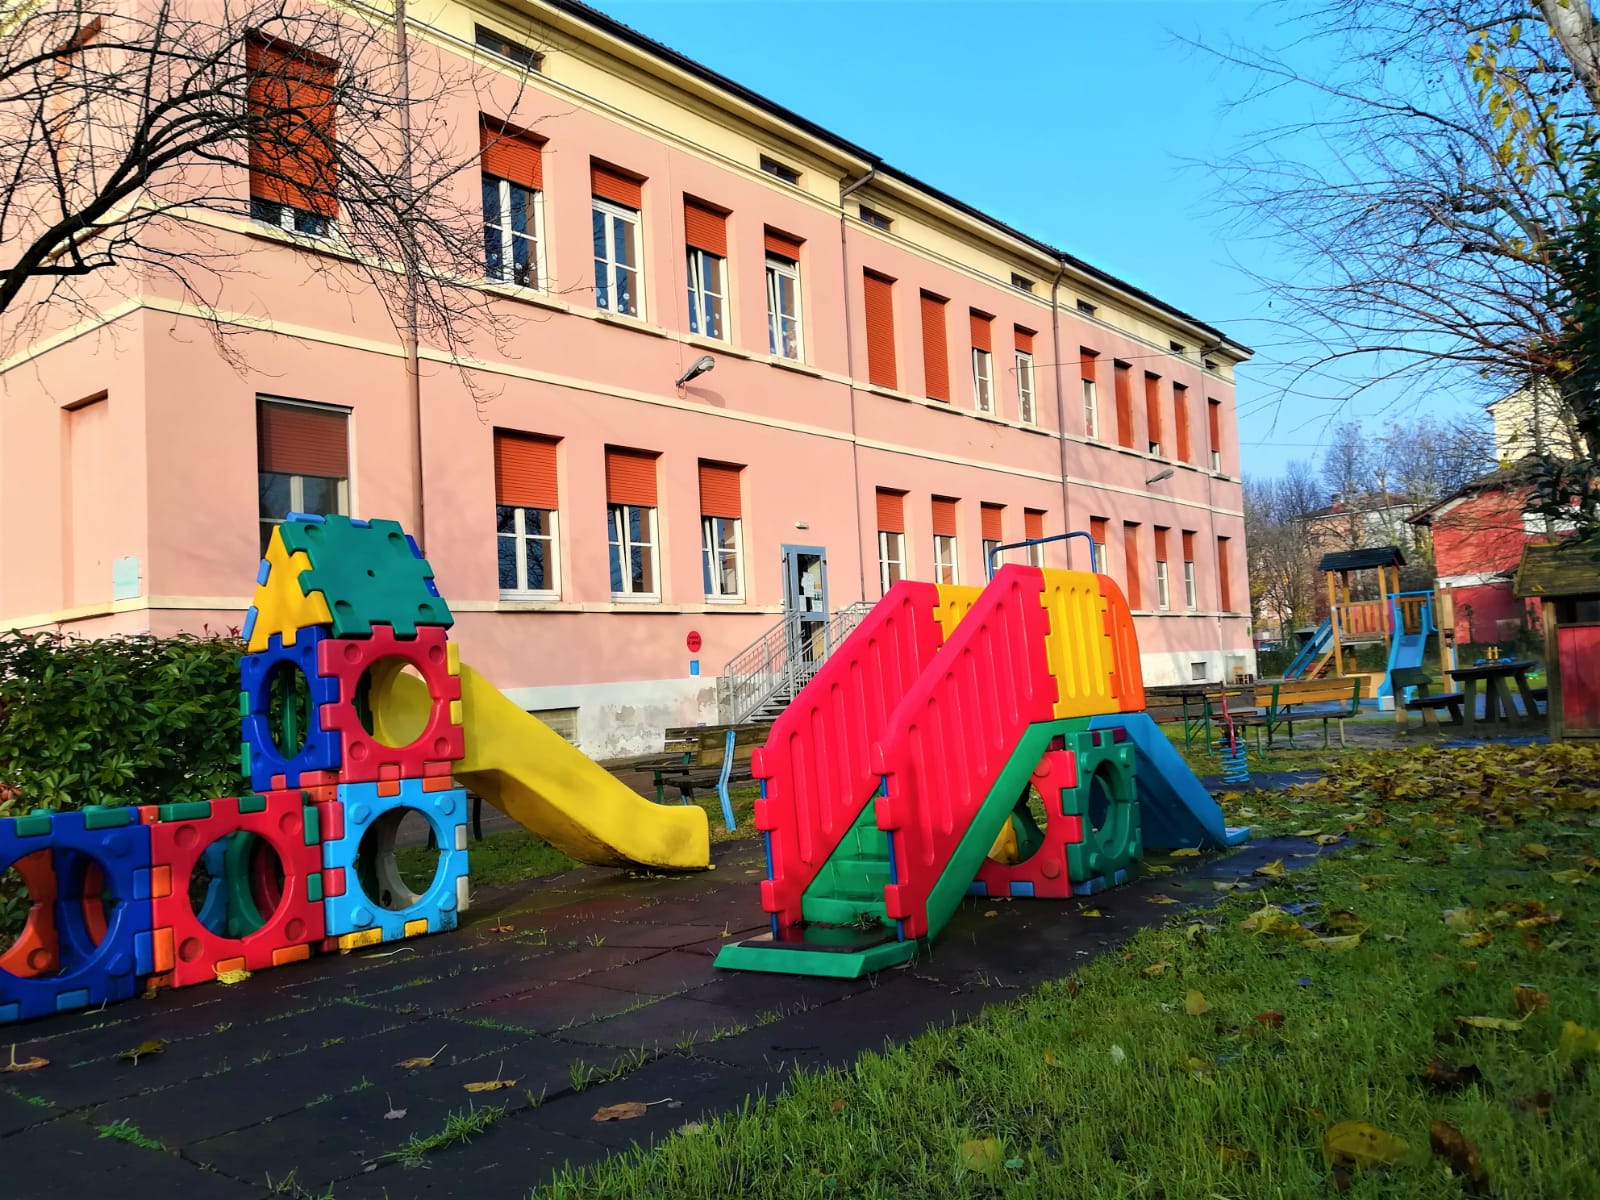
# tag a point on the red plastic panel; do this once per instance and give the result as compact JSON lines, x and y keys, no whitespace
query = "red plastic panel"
{"x":1127,"y":676}
{"x":1578,"y":648}
{"x":365,"y":758}
{"x":1046,"y":867}
{"x":816,"y":763}
{"x":955,"y":731}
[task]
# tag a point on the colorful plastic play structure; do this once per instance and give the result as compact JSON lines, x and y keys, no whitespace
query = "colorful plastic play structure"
{"x":900,"y":778}
{"x":356,"y":711}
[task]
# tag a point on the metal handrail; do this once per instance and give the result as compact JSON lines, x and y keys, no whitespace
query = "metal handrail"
{"x":776,"y":664}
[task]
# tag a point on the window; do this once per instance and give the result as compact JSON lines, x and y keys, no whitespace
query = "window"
{"x":783,"y":296}
{"x":618,"y":260}
{"x":502,"y":46}
{"x":631,"y":514}
{"x":1130,"y":563}
{"x":1022,"y":363}
{"x":875,"y":218}
{"x":526,"y":514}
{"x":1214,"y":423}
{"x":891,"y":538}
{"x":302,"y":459}
{"x":1224,"y":576}
{"x":1177,"y":347}
{"x":946,"y":556}
{"x":1086,"y":308}
{"x":993,"y":535}
{"x":513,"y":205}
{"x":1197,"y":671}
{"x":1152,"y":410}
{"x":879,"y":297}
{"x":1191,"y":598}
{"x":293,"y":154}
{"x":1098,"y":561}
{"x":1210,"y":364}
{"x":779,"y":171}
{"x":1021,"y":282}
{"x":935,"y":352}
{"x":705,"y":232}
{"x":1180,"y":420}
{"x":1032,"y":530}
{"x":1163,"y":584}
{"x":1088,"y":361}
{"x":982,"y":362}
{"x":720,"y":508}
{"x":1123,"y":388}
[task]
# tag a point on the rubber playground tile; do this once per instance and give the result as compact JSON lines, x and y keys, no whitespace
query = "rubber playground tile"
{"x":469,"y":990}
{"x":70,"y":1158}
{"x":660,"y":937}
{"x":502,"y":1162}
{"x":566,"y":1004}
{"x":757,"y":992}
{"x":661,"y":1025}
{"x":17,"y":1113}
{"x":660,"y":975}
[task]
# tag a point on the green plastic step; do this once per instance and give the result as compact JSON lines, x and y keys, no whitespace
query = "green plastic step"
{"x":848,"y":890}
{"x":812,"y":950}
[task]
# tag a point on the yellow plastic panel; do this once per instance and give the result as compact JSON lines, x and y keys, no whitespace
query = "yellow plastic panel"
{"x":281,"y":607}
{"x":955,"y":602}
{"x":1078,"y":649}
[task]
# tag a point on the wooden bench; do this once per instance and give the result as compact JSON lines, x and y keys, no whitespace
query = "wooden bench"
{"x":1334,"y":699}
{"x":709,"y":756}
{"x":1427,"y":704}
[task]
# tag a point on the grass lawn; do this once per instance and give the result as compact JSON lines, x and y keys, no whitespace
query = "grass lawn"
{"x":1434,"y":982}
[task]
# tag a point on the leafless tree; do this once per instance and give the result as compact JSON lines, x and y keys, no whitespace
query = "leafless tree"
{"x":1281,"y":554}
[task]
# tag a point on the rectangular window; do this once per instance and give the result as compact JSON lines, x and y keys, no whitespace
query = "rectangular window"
{"x":982,"y":362}
{"x":1152,"y":410}
{"x":783,"y":296}
{"x":1163,"y":584}
{"x":1032,"y":529}
{"x":993,"y":535}
{"x":631,"y":516}
{"x":618,"y":255}
{"x":891,"y":538}
{"x":526,"y":514}
{"x":1177,"y":347}
{"x":302,"y":460}
{"x":946,"y":551}
{"x":935,"y":351}
{"x":878,"y":291}
{"x":1180,"y":420}
{"x":513,"y":205}
{"x":1214,"y":422}
{"x":1098,"y":561}
{"x":720,"y":531}
{"x":504,"y":47}
{"x":1088,"y":363}
{"x":1224,"y":575}
{"x":1122,"y":380}
{"x":705,"y":232}
{"x":1086,"y":308}
{"x":1027,"y":406}
{"x":1130,"y":562}
{"x":292,"y":131}
{"x":1021,"y":282}
{"x":875,"y":218}
{"x":1191,"y":597}
{"x":780,"y":170}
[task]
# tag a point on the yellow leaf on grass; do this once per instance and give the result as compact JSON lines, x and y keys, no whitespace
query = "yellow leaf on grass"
{"x":626,"y":1111}
{"x":1155,"y":969}
{"x":1195,"y":1003}
{"x":237,"y":975}
{"x":836,"y":1107}
{"x":1358,"y":1144}
{"x":1050,"y":1059}
{"x":1539,"y":919}
{"x":1186,"y":852}
{"x":1335,"y":945}
{"x":1270,"y":919}
{"x":1537,"y":851}
{"x":1273,"y":868}
{"x":1234,"y":1156}
{"x":981,"y":1154}
{"x":1328,"y":839}
{"x":1307,"y":833}
{"x":1576,"y":1041}
{"x":1473,"y":940}
{"x":1502,"y":1024}
{"x":1575,"y":877}
{"x":1460,"y":920}
{"x":1529,"y":999}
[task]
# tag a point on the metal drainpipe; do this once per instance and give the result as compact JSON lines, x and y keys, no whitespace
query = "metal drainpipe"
{"x":850,"y":370}
{"x":1061,"y":401}
{"x":409,"y":334}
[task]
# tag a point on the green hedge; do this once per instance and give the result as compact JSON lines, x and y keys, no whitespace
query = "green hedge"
{"x":125,"y":720}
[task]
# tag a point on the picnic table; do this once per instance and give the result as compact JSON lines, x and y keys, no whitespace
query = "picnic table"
{"x":1497,"y":702}
{"x":1185,"y":694}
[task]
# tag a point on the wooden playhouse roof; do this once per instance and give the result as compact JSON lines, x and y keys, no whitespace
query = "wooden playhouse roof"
{"x":1565,"y":568}
{"x":1362,"y":560}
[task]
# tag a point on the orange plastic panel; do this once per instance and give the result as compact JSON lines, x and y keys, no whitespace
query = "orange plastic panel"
{"x":35,"y":952}
{"x":1127,"y":675}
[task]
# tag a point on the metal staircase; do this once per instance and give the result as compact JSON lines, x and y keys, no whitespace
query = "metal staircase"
{"x":759,"y":682}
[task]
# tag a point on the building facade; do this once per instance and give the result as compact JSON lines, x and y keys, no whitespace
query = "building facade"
{"x":899,"y":385}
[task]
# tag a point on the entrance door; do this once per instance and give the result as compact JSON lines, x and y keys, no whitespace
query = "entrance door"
{"x":805,"y":604}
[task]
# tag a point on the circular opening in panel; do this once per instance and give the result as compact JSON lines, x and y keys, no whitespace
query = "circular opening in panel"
{"x":404,"y":696}
{"x":288,"y":708}
{"x":54,"y":909}
{"x":398,"y":859}
{"x":236,"y":886}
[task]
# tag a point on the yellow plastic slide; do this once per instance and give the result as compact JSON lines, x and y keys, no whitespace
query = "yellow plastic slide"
{"x":530,"y":773}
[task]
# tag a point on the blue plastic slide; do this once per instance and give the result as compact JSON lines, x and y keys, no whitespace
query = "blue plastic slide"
{"x":1175,"y":810}
{"x":1407,"y":649}
{"x":1321,"y":642}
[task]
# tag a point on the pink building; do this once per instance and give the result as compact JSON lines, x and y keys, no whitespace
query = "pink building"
{"x":900,"y":384}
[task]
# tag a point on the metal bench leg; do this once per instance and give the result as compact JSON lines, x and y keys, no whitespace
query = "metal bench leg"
{"x":722,"y":783}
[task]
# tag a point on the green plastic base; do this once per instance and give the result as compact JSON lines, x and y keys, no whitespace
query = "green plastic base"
{"x":814,"y":957}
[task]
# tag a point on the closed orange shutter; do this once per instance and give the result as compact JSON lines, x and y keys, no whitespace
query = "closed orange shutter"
{"x":510,"y":154}
{"x":980,"y":331}
{"x":1152,"y":408}
{"x":1097,"y":530}
{"x":782,"y":245}
{"x":1188,"y":545}
{"x":294,"y":439}
{"x":704,"y":228}
{"x":990,"y":514}
{"x":891,"y":512}
{"x":1224,"y":576}
{"x":1161,"y":543}
{"x":1025,"y":340}
{"x":1214,"y":418}
{"x":935,"y":354}
{"x":610,"y":184}
{"x":944,"y":517}
{"x":630,"y":477}
{"x":292,"y":153}
{"x":1088,"y":361}
{"x":1032,"y":523}
{"x":1124,"y":389}
{"x":525,"y":470}
{"x":1130,"y":559}
{"x":719,"y":490}
{"x":879,"y":294}
{"x":1180,"y":419}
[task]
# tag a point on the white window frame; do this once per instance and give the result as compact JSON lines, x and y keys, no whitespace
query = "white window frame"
{"x":711,"y":553}
{"x":1097,"y":557}
{"x":778,"y":268}
{"x":946,"y":558}
{"x":1155,"y":449}
{"x":1091,"y":410}
{"x":288,"y":214}
{"x":552,"y":552}
{"x":989,"y":547}
{"x":891,"y":549}
{"x":509,"y":236}
{"x":1163,"y":587}
{"x":1035,"y":555}
{"x":982,"y":380}
{"x":1191,"y":594}
{"x":297,"y":496}
{"x":1027,"y":411}
{"x":617,"y":515}
{"x":1216,"y":461}
{"x":698,"y":262}
{"x":617,"y":213}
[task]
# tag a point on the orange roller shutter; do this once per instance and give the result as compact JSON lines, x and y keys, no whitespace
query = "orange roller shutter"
{"x":1224,"y":576}
{"x":944,"y":517}
{"x":1214,"y":419}
{"x":879,"y":293}
{"x":782,"y":245}
{"x":1124,"y":390}
{"x":1152,"y":408}
{"x":1032,"y":523}
{"x":1130,"y":559}
{"x":980,"y":331}
{"x":704,"y":228}
{"x":1025,"y":340}
{"x":525,"y":471}
{"x":719,"y":490}
{"x":510,"y":154}
{"x":991,"y":514}
{"x":1161,"y":543}
{"x":1188,"y":545}
{"x":630,"y":477}
{"x":292,"y":159}
{"x":891,"y":512}
{"x":295,"y":440}
{"x":1180,"y":419}
{"x":1088,"y":360}
{"x":935,"y":353}
{"x":610,"y":184}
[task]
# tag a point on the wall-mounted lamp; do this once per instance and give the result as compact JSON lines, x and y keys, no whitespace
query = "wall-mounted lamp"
{"x":802,"y":525}
{"x":1159,"y":476}
{"x":701,"y":365}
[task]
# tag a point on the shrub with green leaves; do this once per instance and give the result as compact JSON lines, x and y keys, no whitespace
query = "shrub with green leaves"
{"x":123,"y":720}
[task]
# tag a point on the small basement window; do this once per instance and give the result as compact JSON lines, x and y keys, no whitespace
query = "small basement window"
{"x":1197,"y":671}
{"x":563,"y":720}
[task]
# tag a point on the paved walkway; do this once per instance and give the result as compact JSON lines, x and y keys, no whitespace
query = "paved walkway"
{"x":590,"y":989}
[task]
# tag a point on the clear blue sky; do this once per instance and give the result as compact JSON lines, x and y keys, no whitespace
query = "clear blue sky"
{"x":1119,"y":114}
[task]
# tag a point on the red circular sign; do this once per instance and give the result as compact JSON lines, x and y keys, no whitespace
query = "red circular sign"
{"x":693,"y":641}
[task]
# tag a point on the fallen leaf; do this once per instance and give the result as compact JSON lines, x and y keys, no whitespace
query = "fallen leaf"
{"x":993,"y":912}
{"x":836,"y":1107}
{"x":1270,"y":919}
{"x":1118,"y":1054}
{"x":414,"y":1064}
{"x":1226,"y":885}
{"x":1272,"y":869}
{"x":1576,"y":1042}
{"x":1441,"y":1076}
{"x":1272,"y":1018}
{"x":490,"y":1085}
{"x":1090,"y":912}
{"x":625,"y":1111}
{"x":153,"y":1046}
{"x":1156,"y":869}
{"x":26,"y":1064}
{"x":1050,"y":1059}
{"x":1195,"y":1003}
{"x":1529,"y":999}
{"x":1334,"y":945}
{"x":237,"y":975}
{"x":1502,"y":1024}
{"x":1462,"y":1153}
{"x":1538,"y":919}
{"x":1575,"y":876}
{"x":1199,"y":1068}
{"x":502,"y":928}
{"x":1155,"y":970}
{"x":1158,"y":898}
{"x":395,"y":1114}
{"x":1472,"y":941}
{"x":1234,"y":1156}
{"x":1358,"y":1144}
{"x":1307,"y":833}
{"x":980,"y":1154}
{"x":1537,"y":851}
{"x":1186,"y":852}
{"x":1328,"y":839}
